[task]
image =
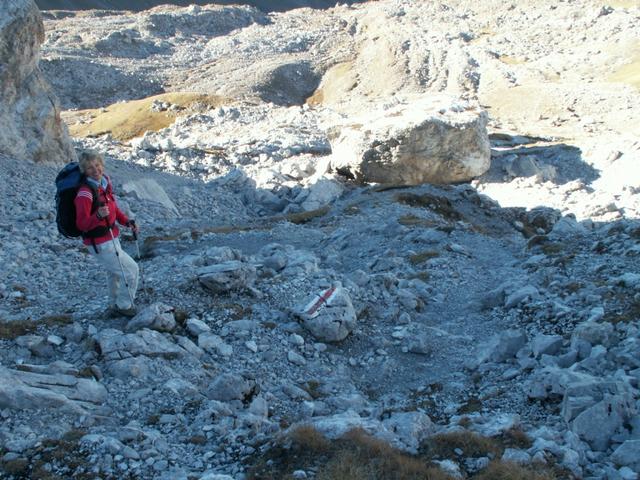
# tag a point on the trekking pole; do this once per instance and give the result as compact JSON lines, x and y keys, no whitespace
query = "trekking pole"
{"x":124,"y":276}
{"x":135,"y":237}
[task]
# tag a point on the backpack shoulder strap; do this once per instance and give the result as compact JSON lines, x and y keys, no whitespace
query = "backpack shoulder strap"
{"x":94,"y":193}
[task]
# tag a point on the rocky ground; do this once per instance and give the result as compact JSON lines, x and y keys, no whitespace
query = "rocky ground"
{"x":277,"y":292}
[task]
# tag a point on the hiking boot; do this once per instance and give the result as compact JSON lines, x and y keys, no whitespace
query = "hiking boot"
{"x":127,"y":312}
{"x":111,"y":312}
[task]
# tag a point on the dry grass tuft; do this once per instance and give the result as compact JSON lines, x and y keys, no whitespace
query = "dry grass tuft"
{"x":17,"y":468}
{"x":51,"y":459}
{"x":355,"y":456}
{"x":338,"y":80}
{"x":198,"y":440}
{"x":516,"y":438}
{"x":537,"y":240}
{"x":472,"y":404}
{"x":553,"y":248}
{"x":473,"y":445}
{"x":627,"y":311}
{"x":412,"y":220}
{"x":308,"y":438}
{"x":363,"y":457}
{"x":422,"y":257}
{"x":127,"y":120}
{"x":304,"y":217}
{"x":55,"y":320}
{"x":422,"y":275}
{"x":440,"y":205}
{"x":15,"y":329}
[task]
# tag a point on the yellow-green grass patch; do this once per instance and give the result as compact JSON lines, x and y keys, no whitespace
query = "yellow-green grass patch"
{"x":422,"y":257}
{"x":628,"y":73}
{"x":127,"y":120}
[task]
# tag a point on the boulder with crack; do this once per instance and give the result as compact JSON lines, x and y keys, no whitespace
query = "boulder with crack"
{"x":115,"y":345}
{"x":429,"y":140}
{"x":28,"y":390}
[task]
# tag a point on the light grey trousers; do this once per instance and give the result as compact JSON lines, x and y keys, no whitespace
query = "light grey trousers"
{"x":106,"y":257}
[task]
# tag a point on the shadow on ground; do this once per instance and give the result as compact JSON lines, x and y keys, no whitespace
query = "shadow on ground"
{"x":94,"y":84}
{"x":514,"y":157}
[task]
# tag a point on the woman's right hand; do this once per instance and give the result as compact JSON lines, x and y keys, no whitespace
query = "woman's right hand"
{"x":103,"y":212}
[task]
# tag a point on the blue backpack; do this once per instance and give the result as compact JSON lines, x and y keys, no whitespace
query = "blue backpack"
{"x":68,"y":181}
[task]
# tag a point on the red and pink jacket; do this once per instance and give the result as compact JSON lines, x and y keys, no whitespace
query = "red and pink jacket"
{"x":86,"y":220}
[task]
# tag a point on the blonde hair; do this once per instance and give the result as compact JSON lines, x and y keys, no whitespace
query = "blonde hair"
{"x":87,"y":157}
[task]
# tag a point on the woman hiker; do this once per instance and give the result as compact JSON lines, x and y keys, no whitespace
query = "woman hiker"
{"x":100,"y":234}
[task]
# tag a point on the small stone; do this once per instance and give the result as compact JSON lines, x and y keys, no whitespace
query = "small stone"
{"x":195,"y":327}
{"x":296,"y":358}
{"x":55,"y":340}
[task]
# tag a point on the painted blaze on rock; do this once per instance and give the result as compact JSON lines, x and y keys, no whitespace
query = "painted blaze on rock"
{"x":429,"y":140}
{"x":329,"y":315}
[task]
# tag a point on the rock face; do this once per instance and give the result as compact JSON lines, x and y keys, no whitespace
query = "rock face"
{"x":27,"y":390}
{"x":32,"y":128}
{"x":429,"y":140}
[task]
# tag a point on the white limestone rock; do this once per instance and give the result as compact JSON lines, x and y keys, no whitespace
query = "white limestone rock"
{"x":496,"y":424}
{"x":148,"y":189}
{"x":524,"y":294}
{"x":503,"y":346}
{"x":425,"y":140}
{"x":411,"y":428}
{"x":598,"y":423}
{"x":115,"y":345}
{"x":213,"y":343}
{"x":628,"y":454}
{"x":216,"y":476}
{"x":228,"y":386}
{"x":195,"y":327}
{"x":628,"y":279}
{"x":329,"y":315}
{"x":29,"y":112}
{"x":337,"y":425}
{"x":295,"y":358}
{"x":133,"y":367}
{"x":156,"y":316}
{"x":27,"y":390}
{"x":227,"y":276}
{"x":596,"y":333}
{"x":546,"y":344}
{"x":516,"y":456}
{"x":321,"y":193}
{"x":567,"y":226}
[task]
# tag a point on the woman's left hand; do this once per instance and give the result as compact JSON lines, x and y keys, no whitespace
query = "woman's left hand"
{"x":133,"y":226}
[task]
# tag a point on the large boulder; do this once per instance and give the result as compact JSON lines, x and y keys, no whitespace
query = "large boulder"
{"x":29,"y":113}
{"x":32,"y":391}
{"x":429,"y":140}
{"x":227,"y":276}
{"x":148,"y":189}
{"x":597,"y":424}
{"x":114,"y":345}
